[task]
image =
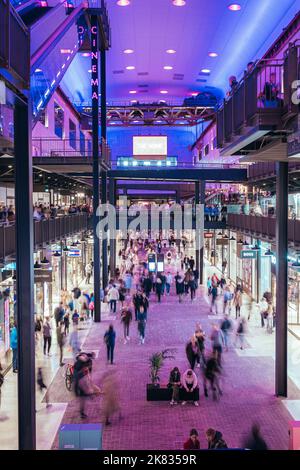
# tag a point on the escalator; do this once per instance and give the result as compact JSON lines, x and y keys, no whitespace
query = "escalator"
{"x":33,"y":14}
{"x":59,"y":30}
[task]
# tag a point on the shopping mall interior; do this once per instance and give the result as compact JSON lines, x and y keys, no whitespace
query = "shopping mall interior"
{"x":149,"y":225}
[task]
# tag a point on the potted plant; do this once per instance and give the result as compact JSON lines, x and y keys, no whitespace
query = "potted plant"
{"x":156,"y":362}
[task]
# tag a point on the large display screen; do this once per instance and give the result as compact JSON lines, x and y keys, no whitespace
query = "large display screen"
{"x":150,"y":145}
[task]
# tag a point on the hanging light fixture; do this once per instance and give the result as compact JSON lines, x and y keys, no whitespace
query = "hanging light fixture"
{"x":245,"y":243}
{"x":220,"y":234}
{"x":269,"y":252}
{"x":37,"y":265}
{"x":45,"y":261}
{"x":65,"y":249}
{"x":240,"y":242}
{"x":225,"y":237}
{"x":57,"y":254}
{"x":232,"y":239}
{"x":255,"y":247}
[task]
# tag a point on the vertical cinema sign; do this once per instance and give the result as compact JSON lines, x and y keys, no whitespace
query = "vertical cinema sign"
{"x":94,"y":50}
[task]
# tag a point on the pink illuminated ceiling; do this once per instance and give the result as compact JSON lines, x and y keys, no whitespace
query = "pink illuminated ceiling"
{"x":206,"y":35}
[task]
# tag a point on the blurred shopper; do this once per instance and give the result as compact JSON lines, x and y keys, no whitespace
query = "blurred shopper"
{"x":88,"y":272}
{"x":61,"y":339}
{"x":217,"y":340}
{"x":211,"y":375}
{"x":113,"y":297}
{"x":226,"y":327}
{"x":126,"y":318}
{"x":255,"y":441}
{"x":241,"y":333}
{"x":192,"y":352}
{"x":215,"y":439}
{"x":111,"y":396}
{"x":193,"y":442}
{"x":42,"y":386}
{"x":238,"y":301}
{"x":141,"y":324}
{"x":47,"y":335}
{"x":74,"y":342}
{"x":14,"y":346}
{"x":110,"y":340}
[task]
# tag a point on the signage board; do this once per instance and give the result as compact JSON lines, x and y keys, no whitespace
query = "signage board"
{"x":43,"y":275}
{"x":248,"y":254}
{"x":152,"y":262}
{"x":160,"y":262}
{"x":74,"y":253}
{"x":222,"y":241}
{"x":208,"y":234}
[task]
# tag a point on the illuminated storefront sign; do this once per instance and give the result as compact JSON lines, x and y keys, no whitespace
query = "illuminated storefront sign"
{"x":248,"y":254}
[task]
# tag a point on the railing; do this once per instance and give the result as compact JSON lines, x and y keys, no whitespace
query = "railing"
{"x":259,"y":92}
{"x":45,"y":231}
{"x":6,"y":122}
{"x":265,"y":226}
{"x":138,"y":164}
{"x":67,"y":148}
{"x":263,"y":169}
{"x":14,"y":43}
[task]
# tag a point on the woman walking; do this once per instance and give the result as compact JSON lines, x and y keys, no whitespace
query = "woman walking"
{"x":110,"y":340}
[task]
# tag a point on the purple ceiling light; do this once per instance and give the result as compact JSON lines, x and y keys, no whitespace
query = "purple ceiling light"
{"x":123,"y":3}
{"x":170,"y":51}
{"x":128,"y":51}
{"x":213,"y":54}
{"x":130,"y":67}
{"x":168,"y":67}
{"x":179,"y":3}
{"x":205,"y":71}
{"x":132,"y":92}
{"x":234,"y":7}
{"x":163,"y":92}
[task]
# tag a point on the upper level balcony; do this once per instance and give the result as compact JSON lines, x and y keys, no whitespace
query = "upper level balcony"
{"x":259,"y":108}
{"x":70,"y":151}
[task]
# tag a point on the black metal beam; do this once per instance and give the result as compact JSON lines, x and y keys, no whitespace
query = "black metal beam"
{"x":181,"y":174}
{"x":96,"y":185}
{"x":104,"y":241}
{"x":24,"y":272}
{"x":281,"y":278}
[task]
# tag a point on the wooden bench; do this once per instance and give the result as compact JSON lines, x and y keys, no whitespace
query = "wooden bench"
{"x":164,"y":393}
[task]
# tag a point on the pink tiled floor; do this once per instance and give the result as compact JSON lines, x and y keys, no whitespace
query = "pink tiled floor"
{"x":248,"y":386}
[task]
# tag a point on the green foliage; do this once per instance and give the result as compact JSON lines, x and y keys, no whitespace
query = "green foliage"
{"x":157,"y":361}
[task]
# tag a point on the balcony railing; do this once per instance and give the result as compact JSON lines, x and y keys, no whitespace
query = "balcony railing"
{"x":45,"y":231}
{"x":14,"y":43}
{"x":259,"y":95}
{"x":65,"y":148}
{"x":263,"y":226}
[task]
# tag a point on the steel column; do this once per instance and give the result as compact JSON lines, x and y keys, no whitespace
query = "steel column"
{"x":197,"y":235}
{"x":104,"y":241}
{"x":113,"y":242}
{"x":25,"y":279}
{"x":202,"y":201}
{"x":281,"y":278}
{"x":96,"y":186}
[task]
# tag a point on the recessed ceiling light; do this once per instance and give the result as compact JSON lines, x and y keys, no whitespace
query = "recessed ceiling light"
{"x":86,"y":54}
{"x":128,"y":51}
{"x":163,"y":92}
{"x":234,"y":7}
{"x":213,"y":54}
{"x":123,"y":3}
{"x":130,"y":67}
{"x":195,"y":93}
{"x":65,"y":51}
{"x":133,"y":101}
{"x":179,"y":3}
{"x":132,"y":92}
{"x":90,"y":71}
{"x":168,"y":67}
{"x":205,"y":71}
{"x":170,"y":51}
{"x":38,"y":70}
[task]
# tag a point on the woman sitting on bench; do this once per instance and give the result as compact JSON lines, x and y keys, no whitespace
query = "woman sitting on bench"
{"x":189,"y":382}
